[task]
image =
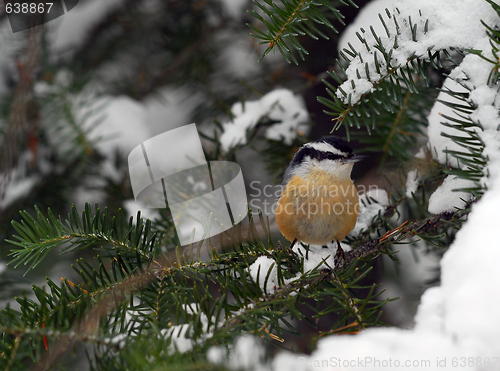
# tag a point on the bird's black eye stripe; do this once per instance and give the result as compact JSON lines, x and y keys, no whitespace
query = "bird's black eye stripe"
{"x":329,"y":156}
{"x":315,"y":154}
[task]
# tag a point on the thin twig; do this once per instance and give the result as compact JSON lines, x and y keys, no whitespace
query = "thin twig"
{"x":280,"y":33}
{"x":89,"y":327}
{"x":20,"y":108}
{"x":400,"y":233}
{"x":15,"y":348}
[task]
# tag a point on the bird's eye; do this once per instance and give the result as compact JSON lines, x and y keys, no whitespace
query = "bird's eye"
{"x":333,"y":156}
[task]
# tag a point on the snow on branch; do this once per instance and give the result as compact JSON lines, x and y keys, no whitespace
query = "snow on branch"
{"x":413,"y":30}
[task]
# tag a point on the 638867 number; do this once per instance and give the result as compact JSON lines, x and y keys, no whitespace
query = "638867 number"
{"x":26,"y":8}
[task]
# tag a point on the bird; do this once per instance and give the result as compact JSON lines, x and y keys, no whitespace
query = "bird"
{"x":319,"y":202}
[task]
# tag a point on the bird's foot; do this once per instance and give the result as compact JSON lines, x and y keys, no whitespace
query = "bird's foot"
{"x":339,"y":257}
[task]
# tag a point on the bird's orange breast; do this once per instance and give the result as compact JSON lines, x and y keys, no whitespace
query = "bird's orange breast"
{"x":317,"y":210}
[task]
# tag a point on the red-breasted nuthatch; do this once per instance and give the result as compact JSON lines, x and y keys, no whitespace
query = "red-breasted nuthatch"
{"x":319,"y":202}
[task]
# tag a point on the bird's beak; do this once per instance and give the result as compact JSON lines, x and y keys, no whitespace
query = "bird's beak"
{"x":355,"y":158}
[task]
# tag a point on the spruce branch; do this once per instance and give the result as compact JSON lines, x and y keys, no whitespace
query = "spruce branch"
{"x":95,"y":309}
{"x":17,"y":343}
{"x":52,"y":318}
{"x":397,"y":134}
{"x":396,"y":122}
{"x":39,"y":235}
{"x":403,"y":232}
{"x":374,"y":81}
{"x":296,"y":17}
{"x":89,"y":328}
{"x":387,"y":92}
{"x":134,"y":306}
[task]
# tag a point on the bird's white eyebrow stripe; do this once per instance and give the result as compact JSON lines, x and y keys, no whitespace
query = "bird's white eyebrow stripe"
{"x":324,"y":147}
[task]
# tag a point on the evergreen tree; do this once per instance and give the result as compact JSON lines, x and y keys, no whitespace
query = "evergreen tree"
{"x":136,"y":300}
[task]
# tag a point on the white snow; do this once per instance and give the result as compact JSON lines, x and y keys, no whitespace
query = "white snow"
{"x":411,"y":182}
{"x":17,"y":189}
{"x":473,"y":73}
{"x":122,"y":124}
{"x":234,"y":8}
{"x":177,"y":333}
{"x":371,"y":204}
{"x":179,"y":341}
{"x":457,"y":323}
{"x":247,"y":353}
{"x":265,"y":268}
{"x":279,"y":105}
{"x":238,"y":59}
{"x":438,"y":143}
{"x":132,"y":207}
{"x":368,"y":16}
{"x":470,"y":277}
{"x":314,"y":257}
{"x":169,"y":108}
{"x":121,"y":111}
{"x":70,"y":30}
{"x":142,"y":120}
{"x":456,"y":320}
{"x":449,"y":25}
{"x":445,"y":198}
{"x":217,"y":355}
{"x":318,"y":256}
